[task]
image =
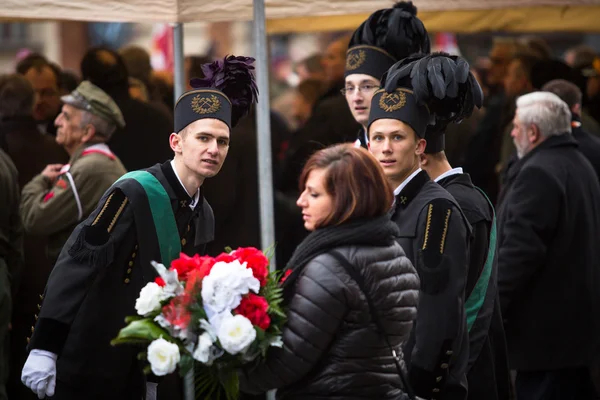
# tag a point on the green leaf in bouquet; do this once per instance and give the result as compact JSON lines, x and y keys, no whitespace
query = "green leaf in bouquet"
{"x":230,"y":382}
{"x":141,"y":331}
{"x":147,"y":370}
{"x":129,"y":319}
{"x":143,"y":356}
{"x":186,"y":363}
{"x":228,"y":249}
{"x":207,"y":383}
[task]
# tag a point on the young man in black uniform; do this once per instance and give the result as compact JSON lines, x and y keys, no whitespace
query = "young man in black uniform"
{"x":147,"y":215}
{"x":387,"y":36}
{"x":488,"y":373}
{"x":434,"y":234}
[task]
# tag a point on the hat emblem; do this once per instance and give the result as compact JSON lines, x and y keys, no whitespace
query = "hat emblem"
{"x":206,"y":104}
{"x":355,"y":59}
{"x":392,"y":101}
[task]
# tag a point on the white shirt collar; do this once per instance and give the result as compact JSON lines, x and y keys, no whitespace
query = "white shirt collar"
{"x":403,"y":184}
{"x":453,"y":171}
{"x":366,"y":136}
{"x":196,"y":197}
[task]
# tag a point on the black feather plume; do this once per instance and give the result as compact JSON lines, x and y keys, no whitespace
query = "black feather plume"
{"x":442,"y":82}
{"x":234,"y":77}
{"x":396,"y":30}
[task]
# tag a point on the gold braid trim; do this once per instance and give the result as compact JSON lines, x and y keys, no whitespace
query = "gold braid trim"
{"x":443,"y":242}
{"x":114,"y":220}
{"x":103,"y":209}
{"x":429,"y":211}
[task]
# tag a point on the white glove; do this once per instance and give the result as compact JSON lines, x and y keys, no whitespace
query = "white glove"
{"x":39,"y":373}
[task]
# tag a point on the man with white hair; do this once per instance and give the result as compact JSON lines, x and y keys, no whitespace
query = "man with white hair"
{"x":548,"y":252}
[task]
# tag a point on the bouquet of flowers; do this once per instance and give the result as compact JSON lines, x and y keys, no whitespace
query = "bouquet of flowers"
{"x":215,"y":314}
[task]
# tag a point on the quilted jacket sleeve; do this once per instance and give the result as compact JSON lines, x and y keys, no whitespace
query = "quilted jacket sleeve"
{"x":315,"y":313}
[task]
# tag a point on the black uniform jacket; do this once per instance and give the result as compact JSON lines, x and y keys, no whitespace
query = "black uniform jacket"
{"x":99,"y":275}
{"x":488,"y":373}
{"x":435,"y":236}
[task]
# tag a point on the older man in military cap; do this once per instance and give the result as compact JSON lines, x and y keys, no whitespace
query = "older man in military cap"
{"x":56,"y":200}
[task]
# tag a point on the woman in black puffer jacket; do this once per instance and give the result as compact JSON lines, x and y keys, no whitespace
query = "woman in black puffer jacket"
{"x":331,"y":346}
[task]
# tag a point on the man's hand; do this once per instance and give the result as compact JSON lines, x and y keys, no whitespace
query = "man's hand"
{"x":39,"y":373}
{"x":52,"y":171}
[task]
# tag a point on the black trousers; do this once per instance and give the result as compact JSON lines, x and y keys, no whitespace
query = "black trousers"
{"x":563,"y":384}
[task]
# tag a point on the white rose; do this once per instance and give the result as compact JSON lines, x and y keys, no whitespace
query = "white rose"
{"x":236,"y":334}
{"x":163,"y":356}
{"x":149,"y":299}
{"x":202,"y":352}
{"x":223,"y":288}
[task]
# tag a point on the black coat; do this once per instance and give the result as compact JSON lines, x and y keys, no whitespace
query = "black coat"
{"x":435,"y":235}
{"x":97,"y":280}
{"x":234,"y":192}
{"x":589,"y":145}
{"x":331,"y":123}
{"x":548,"y":278}
{"x":331,"y":347}
{"x":145,"y":138}
{"x":488,"y":373}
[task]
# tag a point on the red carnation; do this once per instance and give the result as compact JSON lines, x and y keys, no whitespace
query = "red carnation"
{"x":176,"y":311}
{"x":185,"y":264}
{"x":256,"y":261}
{"x":160,"y":281}
{"x":285,"y":275}
{"x":225,"y":257}
{"x":255,"y":308}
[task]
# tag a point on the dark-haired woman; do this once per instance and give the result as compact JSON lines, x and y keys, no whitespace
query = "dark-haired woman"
{"x":332,"y":347}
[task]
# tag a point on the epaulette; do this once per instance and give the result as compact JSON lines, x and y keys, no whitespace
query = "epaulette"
{"x":94,"y":244}
{"x":432,"y":263}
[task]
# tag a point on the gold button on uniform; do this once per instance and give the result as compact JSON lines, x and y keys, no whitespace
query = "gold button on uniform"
{"x":136,"y":247}
{"x":183,"y":242}
{"x":133,"y":255}
{"x":436,"y":390}
{"x":126,"y":280}
{"x":131,"y":263}
{"x":449,"y":353}
{"x":28,"y":340}
{"x":444,"y":366}
{"x":128,"y":270}
{"x":438,"y":379}
{"x":32,"y":329}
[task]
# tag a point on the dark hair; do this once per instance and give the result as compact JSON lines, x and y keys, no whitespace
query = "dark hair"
{"x":567,"y":91}
{"x":312,"y":63}
{"x":38,"y":62}
{"x":527,"y":61}
{"x":16,"y":96}
{"x":355,"y":181}
{"x":311,"y":89}
{"x":106,"y":69}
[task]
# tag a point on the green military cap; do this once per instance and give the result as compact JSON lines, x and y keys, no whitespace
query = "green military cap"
{"x":91,"y":98}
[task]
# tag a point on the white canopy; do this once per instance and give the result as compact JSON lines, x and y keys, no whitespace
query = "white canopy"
{"x":305,"y":15}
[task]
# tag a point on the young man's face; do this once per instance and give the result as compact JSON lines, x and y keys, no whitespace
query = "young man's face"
{"x":202,"y":146}
{"x":359,"y":92}
{"x":395,"y":145}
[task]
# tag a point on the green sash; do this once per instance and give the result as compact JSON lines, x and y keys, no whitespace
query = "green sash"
{"x":162,"y":215}
{"x":477,"y":297}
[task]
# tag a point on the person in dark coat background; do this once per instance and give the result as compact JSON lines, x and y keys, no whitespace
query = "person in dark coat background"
{"x":548,"y":278}
{"x":30,"y":151}
{"x":234,"y":193}
{"x":11,"y":235}
{"x":589,"y":145}
{"x":332,"y":349}
{"x":144,"y":123}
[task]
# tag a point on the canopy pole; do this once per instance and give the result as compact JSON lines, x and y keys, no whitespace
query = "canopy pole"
{"x":263,"y":130}
{"x":178,"y":61}
{"x":178,"y":89}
